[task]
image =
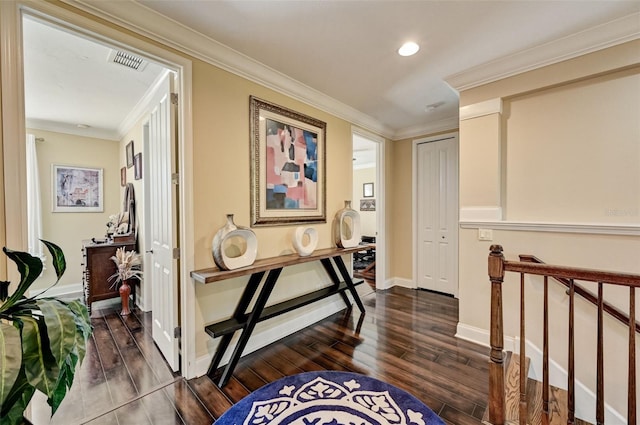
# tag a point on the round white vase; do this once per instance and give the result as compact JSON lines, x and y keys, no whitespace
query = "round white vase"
{"x":299,"y":238}
{"x":347,"y":227}
{"x":234,"y":246}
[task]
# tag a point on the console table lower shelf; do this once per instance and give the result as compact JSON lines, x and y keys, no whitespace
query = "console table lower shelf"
{"x":244,"y":321}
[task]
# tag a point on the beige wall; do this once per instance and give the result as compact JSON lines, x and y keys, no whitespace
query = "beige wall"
{"x":569,"y":146}
{"x":550,"y":136}
{"x":69,"y":229}
{"x":222,"y":185}
{"x":400,"y":196}
{"x":3,"y":235}
{"x":367,"y":218}
{"x":135,"y":134}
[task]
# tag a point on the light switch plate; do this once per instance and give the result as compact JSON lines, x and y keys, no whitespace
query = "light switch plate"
{"x":485,"y":234}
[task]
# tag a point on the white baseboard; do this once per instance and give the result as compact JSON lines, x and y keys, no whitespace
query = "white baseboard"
{"x":68,"y":292}
{"x":481,"y":336}
{"x":264,"y":337}
{"x":404,"y":283}
{"x":585,"y":398}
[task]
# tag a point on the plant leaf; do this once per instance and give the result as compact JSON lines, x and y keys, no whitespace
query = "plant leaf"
{"x":83,"y":327}
{"x":30,"y":268}
{"x":65,"y":379}
{"x":16,"y":403}
{"x":61,"y":327}
{"x":15,"y":413}
{"x":10,"y":358}
{"x":59,"y":262}
{"x":39,"y":363}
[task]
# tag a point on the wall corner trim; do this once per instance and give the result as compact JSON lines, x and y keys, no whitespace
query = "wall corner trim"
{"x":480,"y":109}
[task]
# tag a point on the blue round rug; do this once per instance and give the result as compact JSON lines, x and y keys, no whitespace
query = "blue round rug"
{"x":329,"y":398}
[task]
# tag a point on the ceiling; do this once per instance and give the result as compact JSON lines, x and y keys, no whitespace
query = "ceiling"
{"x":343,"y":49}
{"x":70,"y":82}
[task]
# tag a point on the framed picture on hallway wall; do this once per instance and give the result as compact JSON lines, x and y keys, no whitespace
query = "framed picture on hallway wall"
{"x":367,"y":190}
{"x":129,"y":152}
{"x":287,"y":166}
{"x":137,"y":166}
{"x":77,"y":189}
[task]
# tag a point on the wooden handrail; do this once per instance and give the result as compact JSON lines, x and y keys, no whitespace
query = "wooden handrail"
{"x":584,"y":293}
{"x":497,"y":266}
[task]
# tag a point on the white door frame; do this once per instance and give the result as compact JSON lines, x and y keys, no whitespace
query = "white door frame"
{"x":414,"y":154}
{"x":13,"y":136}
{"x":381,"y":238}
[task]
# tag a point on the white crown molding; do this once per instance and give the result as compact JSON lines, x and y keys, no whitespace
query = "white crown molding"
{"x":593,"y":39}
{"x":59,"y":127}
{"x":447,"y":124}
{"x":488,"y":107}
{"x":582,"y":228}
{"x":146,"y":22}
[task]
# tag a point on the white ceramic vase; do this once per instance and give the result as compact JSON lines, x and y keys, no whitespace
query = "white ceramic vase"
{"x":234,"y":246}
{"x":347,"y":227}
{"x":299,"y":237}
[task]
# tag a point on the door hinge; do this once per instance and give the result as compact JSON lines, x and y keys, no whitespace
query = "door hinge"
{"x":177,"y":332}
{"x":175,"y":178}
{"x":176,"y":253}
{"x":174,"y":98}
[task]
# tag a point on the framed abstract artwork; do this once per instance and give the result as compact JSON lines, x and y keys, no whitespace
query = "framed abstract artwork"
{"x":287,"y":166}
{"x":77,"y":189}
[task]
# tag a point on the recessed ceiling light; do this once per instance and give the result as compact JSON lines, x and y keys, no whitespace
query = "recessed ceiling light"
{"x":409,"y":48}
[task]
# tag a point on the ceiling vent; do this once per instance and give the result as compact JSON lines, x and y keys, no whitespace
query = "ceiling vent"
{"x":128,"y":60}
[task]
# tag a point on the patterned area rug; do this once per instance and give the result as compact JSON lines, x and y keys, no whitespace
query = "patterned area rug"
{"x":329,"y":398}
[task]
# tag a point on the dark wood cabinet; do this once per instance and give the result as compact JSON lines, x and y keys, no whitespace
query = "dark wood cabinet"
{"x":98,"y":267}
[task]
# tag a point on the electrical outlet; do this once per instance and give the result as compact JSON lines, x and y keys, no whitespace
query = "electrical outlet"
{"x":485,"y":234}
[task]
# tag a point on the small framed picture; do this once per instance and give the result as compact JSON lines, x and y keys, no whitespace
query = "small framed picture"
{"x":137,"y":166}
{"x":367,"y":190}
{"x":76,"y":189}
{"x":123,"y":176}
{"x":130,"y":154}
{"x":367,"y":204}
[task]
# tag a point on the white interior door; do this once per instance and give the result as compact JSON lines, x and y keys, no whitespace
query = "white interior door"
{"x":437,"y":215}
{"x":162,"y":228}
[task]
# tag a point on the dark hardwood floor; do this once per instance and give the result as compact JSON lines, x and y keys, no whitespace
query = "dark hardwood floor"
{"x":406,"y":338}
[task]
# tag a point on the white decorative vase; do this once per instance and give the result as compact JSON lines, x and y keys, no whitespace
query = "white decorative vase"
{"x":234,"y":246}
{"x":299,"y":236}
{"x":347,"y":227}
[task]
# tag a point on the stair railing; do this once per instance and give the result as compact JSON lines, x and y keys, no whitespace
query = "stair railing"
{"x":584,"y":293}
{"x":497,"y":268}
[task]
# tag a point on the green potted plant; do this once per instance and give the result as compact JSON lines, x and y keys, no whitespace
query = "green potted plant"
{"x":42,"y":340}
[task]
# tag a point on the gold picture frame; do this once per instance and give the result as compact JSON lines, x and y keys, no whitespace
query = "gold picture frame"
{"x":287,"y":166}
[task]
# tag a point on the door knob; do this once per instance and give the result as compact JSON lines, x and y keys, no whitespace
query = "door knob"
{"x":149,"y":251}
